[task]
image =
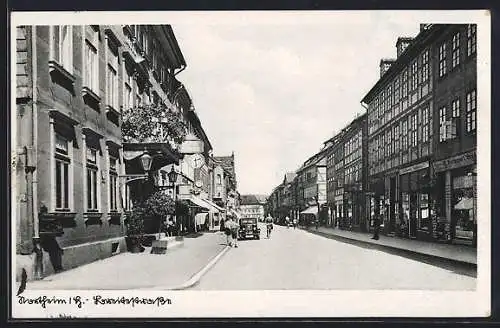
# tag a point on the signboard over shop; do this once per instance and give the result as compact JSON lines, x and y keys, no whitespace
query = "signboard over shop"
{"x":455,"y":162}
{"x":414,"y":168}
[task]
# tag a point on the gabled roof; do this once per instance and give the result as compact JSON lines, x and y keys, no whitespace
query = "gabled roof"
{"x":227,"y":163}
{"x":252,"y":199}
{"x":289,"y":176}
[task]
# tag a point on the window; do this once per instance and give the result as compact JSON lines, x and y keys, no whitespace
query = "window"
{"x":404,"y":85}
{"x":92,"y":170}
{"x":61,"y":46}
{"x":397,"y":91}
{"x":414,"y":75}
{"x":471,"y":111}
{"x":113,"y":184}
{"x":424,"y":212}
{"x":112,"y":76}
{"x":425,"y":124}
{"x":425,"y":66}
{"x":471,"y":39}
{"x":442,"y":122}
{"x":62,"y":173}
{"x":91,"y":66}
{"x":455,"y":55}
{"x":414,"y":130}
{"x":455,"y":108}
{"x":404,"y":132}
{"x":442,"y":60}
{"x":219,"y":180}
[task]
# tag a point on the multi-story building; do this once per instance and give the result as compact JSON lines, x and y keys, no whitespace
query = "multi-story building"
{"x":72,"y":84}
{"x":312,"y":187}
{"x":288,"y":196}
{"x":455,"y":126}
{"x":346,"y":165}
{"x":252,"y":206}
{"x":226,"y":194}
{"x":406,"y":134}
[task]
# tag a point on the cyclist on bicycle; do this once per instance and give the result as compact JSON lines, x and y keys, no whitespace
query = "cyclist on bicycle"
{"x":269,"y":225}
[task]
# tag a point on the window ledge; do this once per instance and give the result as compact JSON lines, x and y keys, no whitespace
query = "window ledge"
{"x":57,"y":68}
{"x":92,"y":218}
{"x":87,"y":92}
{"x":111,"y":110}
{"x":58,"y":215}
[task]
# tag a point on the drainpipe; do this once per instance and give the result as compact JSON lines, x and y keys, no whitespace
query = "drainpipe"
{"x":34,"y":144}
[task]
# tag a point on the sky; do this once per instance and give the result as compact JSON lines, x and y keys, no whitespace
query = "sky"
{"x":273,"y":90}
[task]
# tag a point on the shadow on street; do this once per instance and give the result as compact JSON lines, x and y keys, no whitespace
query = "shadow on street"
{"x":466,"y":269}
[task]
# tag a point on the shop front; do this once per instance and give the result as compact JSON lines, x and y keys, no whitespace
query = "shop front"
{"x":458,"y":185}
{"x":376,"y":201}
{"x":415,"y":220}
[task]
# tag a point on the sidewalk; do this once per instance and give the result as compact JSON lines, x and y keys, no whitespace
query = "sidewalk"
{"x":457,"y":253}
{"x":140,"y":270}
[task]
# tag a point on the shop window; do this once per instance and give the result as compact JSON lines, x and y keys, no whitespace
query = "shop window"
{"x":424,"y":212}
{"x":463,"y":206}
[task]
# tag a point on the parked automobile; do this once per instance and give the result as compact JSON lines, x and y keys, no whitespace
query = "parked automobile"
{"x":248,"y":229}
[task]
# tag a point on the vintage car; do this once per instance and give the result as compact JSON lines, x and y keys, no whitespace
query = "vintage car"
{"x":248,"y":229}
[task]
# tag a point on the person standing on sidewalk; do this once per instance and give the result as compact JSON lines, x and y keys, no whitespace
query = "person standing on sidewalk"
{"x":295,"y":223}
{"x":234,"y":232}
{"x":226,"y":227}
{"x":376,"y":224}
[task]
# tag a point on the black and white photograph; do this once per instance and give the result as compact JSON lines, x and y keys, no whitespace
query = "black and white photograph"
{"x":250,"y":164}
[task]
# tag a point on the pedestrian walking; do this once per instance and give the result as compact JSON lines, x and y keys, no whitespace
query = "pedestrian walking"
{"x":226,"y":227}
{"x":295,"y":222}
{"x":316,"y":222}
{"x":234,"y":232}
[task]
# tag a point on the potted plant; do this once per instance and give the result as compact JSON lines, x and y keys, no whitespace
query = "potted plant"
{"x":158,"y":207}
{"x":135,"y":230}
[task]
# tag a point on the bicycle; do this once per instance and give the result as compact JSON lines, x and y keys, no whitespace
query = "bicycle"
{"x":269,"y":228}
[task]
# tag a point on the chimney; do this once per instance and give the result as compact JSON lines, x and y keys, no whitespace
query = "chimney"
{"x":402,"y":44}
{"x":424,"y":27}
{"x":385,"y":64}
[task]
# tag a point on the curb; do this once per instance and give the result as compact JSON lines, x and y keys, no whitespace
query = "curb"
{"x":195,"y":279}
{"x":393,"y":248}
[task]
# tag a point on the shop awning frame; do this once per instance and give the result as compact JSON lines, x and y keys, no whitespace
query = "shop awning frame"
{"x":310,"y":210}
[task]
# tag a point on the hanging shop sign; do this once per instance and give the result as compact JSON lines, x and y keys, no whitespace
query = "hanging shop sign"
{"x":455,"y":162}
{"x":414,"y":168}
{"x":191,"y":145}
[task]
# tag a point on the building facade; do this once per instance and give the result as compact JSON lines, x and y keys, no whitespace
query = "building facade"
{"x":72,"y":84}
{"x":455,"y":128}
{"x":405,"y":140}
{"x":311,"y":198}
{"x":252,"y":206}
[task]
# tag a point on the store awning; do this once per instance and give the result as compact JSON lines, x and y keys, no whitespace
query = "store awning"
{"x":214,"y":206}
{"x":310,"y":210}
{"x":196,"y":202}
{"x":465,"y":204}
{"x":200,"y":218}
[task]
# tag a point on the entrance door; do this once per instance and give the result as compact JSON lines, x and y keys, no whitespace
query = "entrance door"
{"x":392,"y":204}
{"x":413,"y":215}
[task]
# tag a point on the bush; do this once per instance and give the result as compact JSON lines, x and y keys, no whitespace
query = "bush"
{"x":135,"y":223}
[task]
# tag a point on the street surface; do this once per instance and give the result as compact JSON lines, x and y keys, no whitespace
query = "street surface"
{"x":297,"y":259}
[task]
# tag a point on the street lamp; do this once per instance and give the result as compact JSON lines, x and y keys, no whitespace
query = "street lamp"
{"x":146,"y":161}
